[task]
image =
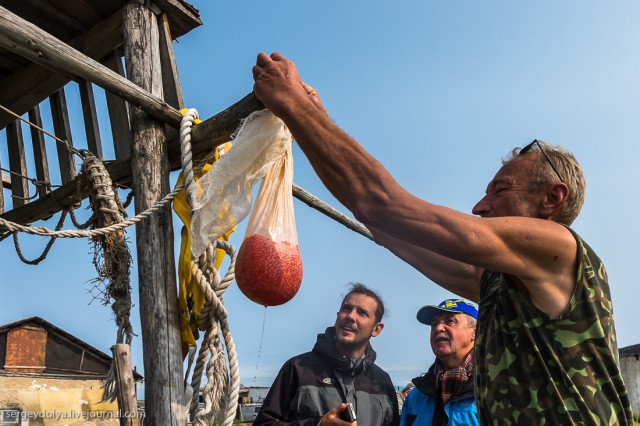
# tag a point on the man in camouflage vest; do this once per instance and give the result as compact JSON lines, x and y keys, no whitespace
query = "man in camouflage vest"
{"x":546,"y":348}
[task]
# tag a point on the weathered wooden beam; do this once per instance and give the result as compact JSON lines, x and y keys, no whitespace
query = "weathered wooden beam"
{"x":127,"y":404}
{"x":324,"y":208}
{"x":2,"y":175}
{"x":170,"y":80}
{"x":184,"y":17}
{"x":204,"y":138}
{"x":215,"y":130}
{"x":25,"y":39}
{"x":159,"y":318}
{"x":33,"y":84}
{"x":118,"y":112}
{"x":90,"y":115}
{"x":39,"y":150}
{"x":17,"y":164}
{"x":62,"y":129}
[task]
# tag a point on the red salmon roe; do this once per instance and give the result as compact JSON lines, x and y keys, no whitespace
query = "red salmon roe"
{"x":268,"y":272}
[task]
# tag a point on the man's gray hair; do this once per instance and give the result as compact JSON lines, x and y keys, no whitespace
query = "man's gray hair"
{"x":543,"y":175}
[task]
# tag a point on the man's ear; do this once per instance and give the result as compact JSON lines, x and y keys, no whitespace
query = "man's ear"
{"x":554,"y":199}
{"x":377,"y":329}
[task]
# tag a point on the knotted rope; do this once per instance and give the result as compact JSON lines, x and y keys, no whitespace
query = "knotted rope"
{"x":222,"y":386}
{"x":111,"y":256}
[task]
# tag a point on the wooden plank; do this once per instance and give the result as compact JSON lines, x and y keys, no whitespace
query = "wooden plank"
{"x":20,"y":36}
{"x":79,"y":10}
{"x":159,"y":319}
{"x":10,"y":62}
{"x":4,"y":179}
{"x":39,"y":150}
{"x":182,"y":16}
{"x":204,"y":138}
{"x":62,"y":129}
{"x":118,"y":112}
{"x":216,"y":130}
{"x":127,"y":403}
{"x":170,"y":80}
{"x":17,"y":164}
{"x":34,"y":83}
{"x":90,"y":115}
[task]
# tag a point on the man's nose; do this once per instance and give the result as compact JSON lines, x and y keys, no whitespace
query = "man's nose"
{"x":481,"y":206}
{"x":437,"y":328}
{"x":351,"y":315}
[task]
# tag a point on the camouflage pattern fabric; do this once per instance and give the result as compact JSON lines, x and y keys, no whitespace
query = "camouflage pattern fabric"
{"x":533,"y":370}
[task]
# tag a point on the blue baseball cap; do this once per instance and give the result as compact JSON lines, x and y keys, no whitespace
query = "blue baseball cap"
{"x":458,"y":306}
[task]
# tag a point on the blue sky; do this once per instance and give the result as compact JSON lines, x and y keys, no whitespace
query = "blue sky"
{"x":439,"y":92}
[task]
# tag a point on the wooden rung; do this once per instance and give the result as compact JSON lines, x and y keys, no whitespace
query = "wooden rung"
{"x":2,"y":196}
{"x":6,"y":181}
{"x":90,"y":118}
{"x":39,"y":150}
{"x":62,"y":130}
{"x":17,"y":164}
{"x":118,"y":112}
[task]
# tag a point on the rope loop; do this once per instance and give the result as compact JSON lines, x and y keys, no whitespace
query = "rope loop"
{"x":223,"y":386}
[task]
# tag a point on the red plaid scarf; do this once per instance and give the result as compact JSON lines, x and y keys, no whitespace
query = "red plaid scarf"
{"x":448,"y":382}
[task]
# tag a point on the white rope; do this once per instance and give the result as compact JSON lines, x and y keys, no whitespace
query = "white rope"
{"x":73,"y":233}
{"x":213,"y":314}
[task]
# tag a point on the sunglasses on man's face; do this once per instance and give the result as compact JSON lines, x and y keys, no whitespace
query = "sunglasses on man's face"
{"x":536,"y":142}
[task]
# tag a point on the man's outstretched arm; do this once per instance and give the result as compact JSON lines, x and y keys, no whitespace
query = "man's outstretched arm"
{"x":534,"y":250}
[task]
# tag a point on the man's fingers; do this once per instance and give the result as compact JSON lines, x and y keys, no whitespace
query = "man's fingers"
{"x":263,"y":59}
{"x":256,"y":71}
{"x":277,"y":57}
{"x":310,"y":90}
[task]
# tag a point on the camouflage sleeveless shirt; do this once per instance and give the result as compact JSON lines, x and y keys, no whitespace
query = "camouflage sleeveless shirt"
{"x":533,"y":370}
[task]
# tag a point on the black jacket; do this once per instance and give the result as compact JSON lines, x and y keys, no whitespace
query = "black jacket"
{"x":311,"y":384}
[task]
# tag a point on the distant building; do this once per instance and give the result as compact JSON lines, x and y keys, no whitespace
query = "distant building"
{"x":45,"y":371}
{"x":630,"y":366}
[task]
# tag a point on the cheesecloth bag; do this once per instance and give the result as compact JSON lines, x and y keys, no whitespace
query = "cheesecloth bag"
{"x":222,"y":197}
{"x":268,"y":266}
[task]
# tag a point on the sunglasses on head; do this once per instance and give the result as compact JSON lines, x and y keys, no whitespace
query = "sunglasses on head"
{"x":536,"y":142}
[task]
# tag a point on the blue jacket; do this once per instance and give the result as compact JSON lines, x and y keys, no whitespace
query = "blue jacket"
{"x":421,"y":405}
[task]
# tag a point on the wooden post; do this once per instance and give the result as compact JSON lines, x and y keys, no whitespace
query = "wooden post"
{"x":39,"y":150}
{"x":90,"y":115}
{"x":2,"y":191}
{"x":170,"y":80}
{"x":118,"y":111}
{"x":164,"y":393}
{"x":127,"y":404}
{"x":17,"y":164}
{"x":62,"y":129}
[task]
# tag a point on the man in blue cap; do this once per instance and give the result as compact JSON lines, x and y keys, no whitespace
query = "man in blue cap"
{"x":444,"y":396}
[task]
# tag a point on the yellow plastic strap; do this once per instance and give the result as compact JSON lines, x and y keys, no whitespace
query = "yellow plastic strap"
{"x":183,"y":111}
{"x":188,"y":288}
